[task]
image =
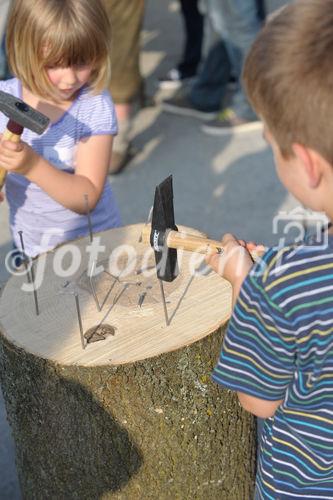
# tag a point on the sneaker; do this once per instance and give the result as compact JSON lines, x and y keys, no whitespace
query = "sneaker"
{"x":181,"y":105}
{"x":173,"y":80}
{"x":227,"y":121}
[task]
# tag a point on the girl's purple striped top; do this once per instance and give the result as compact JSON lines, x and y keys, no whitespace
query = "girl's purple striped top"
{"x":44,"y":222}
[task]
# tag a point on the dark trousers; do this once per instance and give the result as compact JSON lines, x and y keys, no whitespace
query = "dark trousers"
{"x":261,"y":9}
{"x":194,"y":28}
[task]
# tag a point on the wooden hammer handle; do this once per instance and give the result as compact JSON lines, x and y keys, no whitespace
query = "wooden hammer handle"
{"x":7,"y":136}
{"x":189,"y":242}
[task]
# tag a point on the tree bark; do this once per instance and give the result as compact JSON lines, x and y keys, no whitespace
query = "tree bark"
{"x":154,"y":429}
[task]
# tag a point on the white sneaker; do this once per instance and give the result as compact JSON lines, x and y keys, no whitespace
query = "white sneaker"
{"x":173,"y":80}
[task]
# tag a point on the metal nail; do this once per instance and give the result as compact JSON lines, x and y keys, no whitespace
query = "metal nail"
{"x":92,"y":285}
{"x":31,"y":275}
{"x":88,"y":217}
{"x":164,"y":303}
{"x":142,"y":297}
{"x":123,"y":290}
{"x":142,"y":270}
{"x":76,"y":295}
{"x":149,"y":218}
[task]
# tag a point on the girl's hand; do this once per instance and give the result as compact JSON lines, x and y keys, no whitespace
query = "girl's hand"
{"x":235,"y":263}
{"x":2,"y":196}
{"x":17,"y":157}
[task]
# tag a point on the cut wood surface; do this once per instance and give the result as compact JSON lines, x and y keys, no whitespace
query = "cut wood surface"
{"x":134,"y":416}
{"x":197,"y":304}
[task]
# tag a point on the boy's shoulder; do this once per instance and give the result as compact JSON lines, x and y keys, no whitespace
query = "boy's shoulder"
{"x":282,"y":261}
{"x":287,"y":275}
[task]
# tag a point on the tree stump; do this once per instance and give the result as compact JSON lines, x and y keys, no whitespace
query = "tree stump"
{"x":133,"y":414}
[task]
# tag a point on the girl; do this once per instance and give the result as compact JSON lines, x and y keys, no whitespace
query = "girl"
{"x":59,"y":51}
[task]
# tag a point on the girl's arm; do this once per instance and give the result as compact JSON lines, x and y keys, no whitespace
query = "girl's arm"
{"x":92,"y":163}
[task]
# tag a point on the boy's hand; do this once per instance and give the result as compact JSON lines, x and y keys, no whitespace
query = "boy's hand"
{"x":235,"y":263}
{"x":17,"y":157}
{"x":2,"y":196}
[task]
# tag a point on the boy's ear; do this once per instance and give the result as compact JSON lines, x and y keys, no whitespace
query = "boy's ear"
{"x":311,"y":161}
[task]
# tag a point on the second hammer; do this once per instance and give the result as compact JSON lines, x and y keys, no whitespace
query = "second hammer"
{"x":21,"y":116}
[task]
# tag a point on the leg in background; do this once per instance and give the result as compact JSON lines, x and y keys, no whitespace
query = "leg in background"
{"x":126,"y":80}
{"x":194,"y":29}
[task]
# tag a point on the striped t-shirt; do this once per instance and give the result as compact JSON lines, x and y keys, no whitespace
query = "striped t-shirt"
{"x":46,"y":223}
{"x":279,"y":345}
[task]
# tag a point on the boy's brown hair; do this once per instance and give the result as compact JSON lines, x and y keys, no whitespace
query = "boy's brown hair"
{"x":48,"y":33}
{"x":288,"y":76}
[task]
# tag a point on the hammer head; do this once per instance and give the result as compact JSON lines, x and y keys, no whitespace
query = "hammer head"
{"x":23,"y":114}
{"x":163,"y":219}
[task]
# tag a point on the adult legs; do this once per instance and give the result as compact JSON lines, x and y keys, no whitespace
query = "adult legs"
{"x":261,"y":9}
{"x":210,"y":86}
{"x":126,"y":82}
{"x":237,"y":22}
{"x":194,"y":29}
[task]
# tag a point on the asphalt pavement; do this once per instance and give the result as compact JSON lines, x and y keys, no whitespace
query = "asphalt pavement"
{"x":221,"y":184}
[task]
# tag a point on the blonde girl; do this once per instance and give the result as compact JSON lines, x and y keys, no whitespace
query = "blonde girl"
{"x":59,"y":52}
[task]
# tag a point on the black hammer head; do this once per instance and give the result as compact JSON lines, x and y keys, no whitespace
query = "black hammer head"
{"x":163,"y":219}
{"x":23,"y":114}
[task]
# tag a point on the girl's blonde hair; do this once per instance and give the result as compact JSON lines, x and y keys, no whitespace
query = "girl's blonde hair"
{"x":48,"y":33}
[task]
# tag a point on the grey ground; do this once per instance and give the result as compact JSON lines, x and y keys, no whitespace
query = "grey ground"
{"x":220,"y":184}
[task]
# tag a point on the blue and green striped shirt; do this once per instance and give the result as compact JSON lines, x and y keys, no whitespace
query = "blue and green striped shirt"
{"x":279,"y":345}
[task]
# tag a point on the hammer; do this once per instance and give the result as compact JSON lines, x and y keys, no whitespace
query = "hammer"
{"x":164,"y":237}
{"x":20,"y":115}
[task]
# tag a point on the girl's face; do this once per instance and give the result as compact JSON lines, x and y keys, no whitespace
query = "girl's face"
{"x":68,"y":81}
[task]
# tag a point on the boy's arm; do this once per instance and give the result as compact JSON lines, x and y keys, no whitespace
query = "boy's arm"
{"x":233,"y":265}
{"x":250,"y":363}
{"x":259,"y":407}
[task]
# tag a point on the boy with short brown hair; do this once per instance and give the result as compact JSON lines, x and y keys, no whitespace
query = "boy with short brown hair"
{"x":278,"y":350}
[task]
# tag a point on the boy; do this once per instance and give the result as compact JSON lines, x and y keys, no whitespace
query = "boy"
{"x":278,"y":350}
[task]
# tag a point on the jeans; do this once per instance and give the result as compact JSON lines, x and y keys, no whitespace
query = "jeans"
{"x":237,"y":22}
{"x":209,"y":88}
